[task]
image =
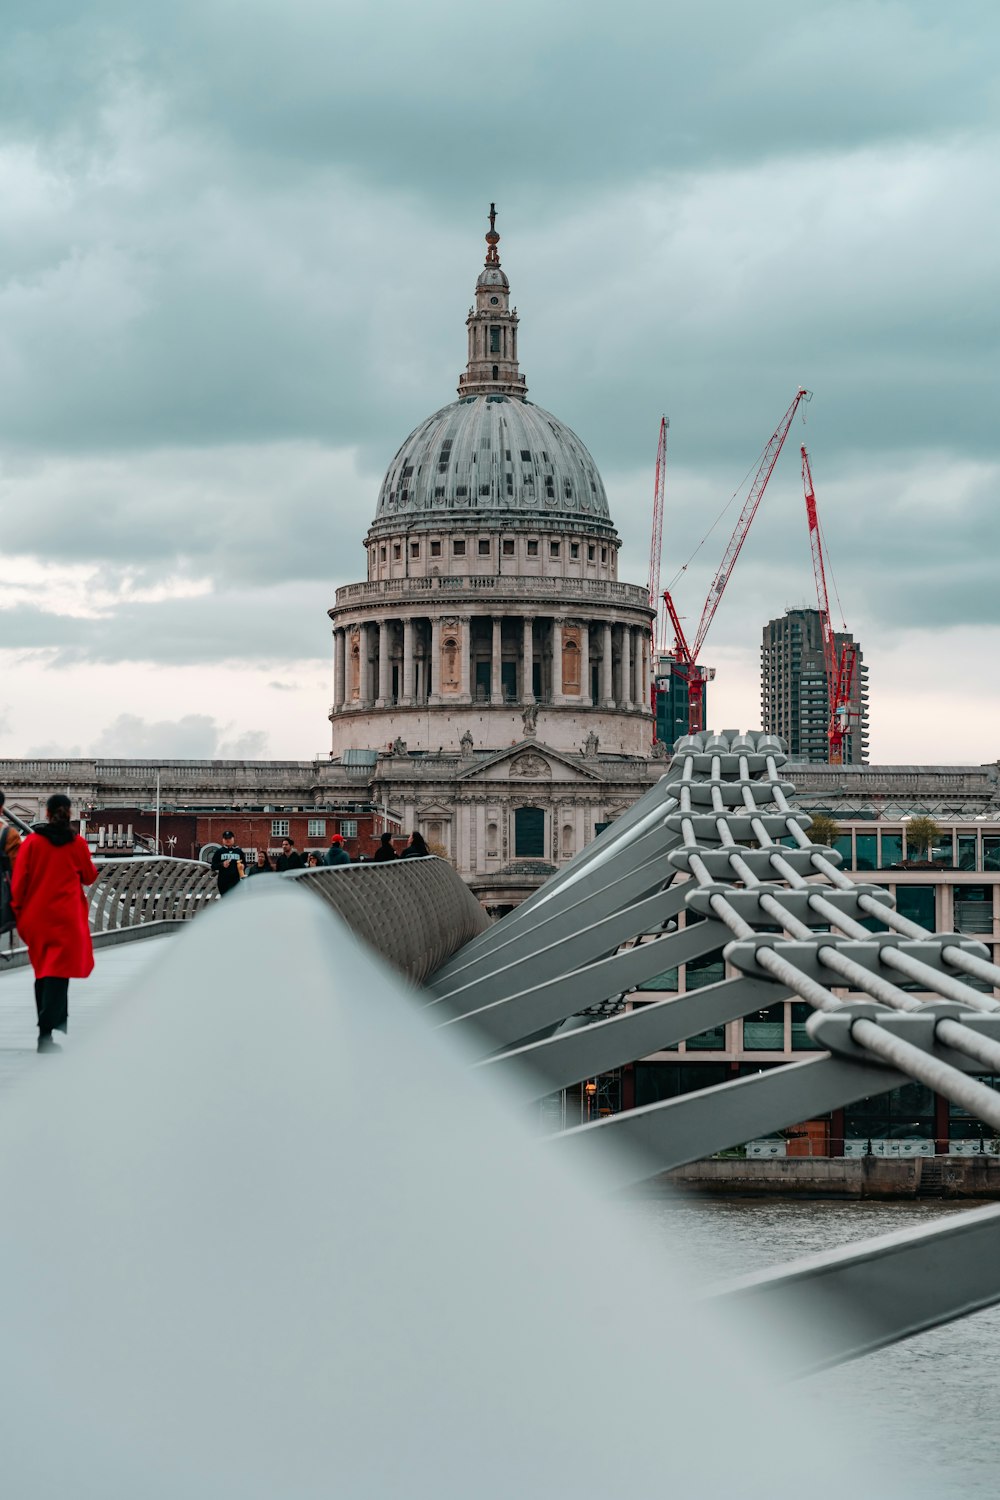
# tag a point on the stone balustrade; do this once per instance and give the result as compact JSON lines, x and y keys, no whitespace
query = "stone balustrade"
{"x":599,"y":591}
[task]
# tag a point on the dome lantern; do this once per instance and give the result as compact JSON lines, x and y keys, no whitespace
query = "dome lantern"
{"x":492,"y":369}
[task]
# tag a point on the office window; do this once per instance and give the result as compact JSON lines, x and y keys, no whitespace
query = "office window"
{"x":967,"y":851}
{"x":764,"y":1030}
{"x":349,"y":828}
{"x":316,"y":828}
{"x":917,"y":903}
{"x":865,"y":844}
{"x":892,"y":850}
{"x":279,"y":828}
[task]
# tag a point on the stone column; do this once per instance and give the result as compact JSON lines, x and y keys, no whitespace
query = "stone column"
{"x":339,"y":668}
{"x":607,"y":679}
{"x":496,"y":681}
{"x":465,"y":651}
{"x":384,"y":664}
{"x":626,"y":700}
{"x":364,"y":665}
{"x":528,"y":662}
{"x":434,"y":663}
{"x":557,"y":645}
{"x":585,"y":697}
{"x":409,"y":692}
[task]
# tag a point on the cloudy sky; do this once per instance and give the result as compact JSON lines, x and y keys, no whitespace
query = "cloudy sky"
{"x":237,"y":247}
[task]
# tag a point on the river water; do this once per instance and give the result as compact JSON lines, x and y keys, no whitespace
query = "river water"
{"x":935,"y":1398}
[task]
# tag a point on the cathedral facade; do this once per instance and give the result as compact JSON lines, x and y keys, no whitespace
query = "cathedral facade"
{"x":492,"y":657}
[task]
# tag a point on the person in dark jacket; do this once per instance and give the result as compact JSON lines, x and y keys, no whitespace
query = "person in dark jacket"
{"x":416,"y":848}
{"x":289,"y":858}
{"x":262,"y":865}
{"x":52,"y":868}
{"x":336,"y":854}
{"x":384,"y":850}
{"x":228,"y":864}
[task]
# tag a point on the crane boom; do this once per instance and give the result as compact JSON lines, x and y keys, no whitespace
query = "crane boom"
{"x":840,"y":666}
{"x":764,"y":470}
{"x":657,"y":625}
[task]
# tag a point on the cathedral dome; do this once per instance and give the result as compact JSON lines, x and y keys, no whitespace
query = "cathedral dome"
{"x":488,"y":455}
{"x":492,"y":453}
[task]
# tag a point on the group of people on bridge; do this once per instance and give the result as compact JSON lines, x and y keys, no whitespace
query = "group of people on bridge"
{"x":230,"y":866}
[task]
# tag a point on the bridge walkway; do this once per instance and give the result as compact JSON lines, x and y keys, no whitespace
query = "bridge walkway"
{"x":118,"y":971}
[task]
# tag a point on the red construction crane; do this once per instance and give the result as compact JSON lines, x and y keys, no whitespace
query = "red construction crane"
{"x":658,"y":626}
{"x":840,"y":666}
{"x":686,"y":656}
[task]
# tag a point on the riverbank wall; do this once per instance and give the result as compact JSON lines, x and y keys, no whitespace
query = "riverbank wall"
{"x":840,"y":1177}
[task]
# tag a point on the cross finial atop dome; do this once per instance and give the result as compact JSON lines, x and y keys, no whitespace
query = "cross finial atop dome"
{"x":492,"y":239}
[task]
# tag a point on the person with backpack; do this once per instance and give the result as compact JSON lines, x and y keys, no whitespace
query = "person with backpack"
{"x":52,"y":868}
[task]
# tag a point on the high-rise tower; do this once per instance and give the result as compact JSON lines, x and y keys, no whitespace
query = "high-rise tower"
{"x":794,"y":699}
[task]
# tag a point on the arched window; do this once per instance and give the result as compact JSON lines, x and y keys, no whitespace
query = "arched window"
{"x":529,"y":833}
{"x":491,"y":840}
{"x":567,"y":840}
{"x":496,"y":372}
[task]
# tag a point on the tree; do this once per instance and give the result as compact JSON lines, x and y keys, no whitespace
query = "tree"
{"x":921,"y":835}
{"x":824,"y":829}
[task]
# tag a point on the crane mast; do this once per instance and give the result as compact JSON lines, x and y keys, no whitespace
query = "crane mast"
{"x":839,"y":666}
{"x":686,"y":655}
{"x":658,"y":624}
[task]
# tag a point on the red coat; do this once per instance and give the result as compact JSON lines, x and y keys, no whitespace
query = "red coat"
{"x":51,"y":908}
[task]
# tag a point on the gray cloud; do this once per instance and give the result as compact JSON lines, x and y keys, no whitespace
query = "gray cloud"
{"x":269,"y":627}
{"x":192,"y":737}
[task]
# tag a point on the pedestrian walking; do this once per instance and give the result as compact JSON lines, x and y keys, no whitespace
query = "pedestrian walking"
{"x":312,"y":859}
{"x":228,"y":864}
{"x":261,"y":865}
{"x":52,"y":867}
{"x":289,"y":858}
{"x":337,"y":854}
{"x":10,"y":840}
{"x":416,"y":848}
{"x":384,"y":850}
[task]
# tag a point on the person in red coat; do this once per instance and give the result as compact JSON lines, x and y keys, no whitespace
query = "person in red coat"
{"x":52,"y":867}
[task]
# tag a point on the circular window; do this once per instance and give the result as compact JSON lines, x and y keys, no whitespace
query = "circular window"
{"x":494,"y":300}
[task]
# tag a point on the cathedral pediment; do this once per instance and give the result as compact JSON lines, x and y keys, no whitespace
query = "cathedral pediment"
{"x":531,"y":761}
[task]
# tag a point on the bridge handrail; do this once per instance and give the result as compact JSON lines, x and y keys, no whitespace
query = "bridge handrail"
{"x":416,"y":912}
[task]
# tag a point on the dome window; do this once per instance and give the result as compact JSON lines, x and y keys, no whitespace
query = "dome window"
{"x":484,"y":489}
{"x":574,"y":549}
{"x":494,"y":340}
{"x":533,"y":549}
{"x":525,"y":456}
{"x":397,"y":551}
{"x":484,"y":547}
{"x":458,"y":547}
{"x":591,"y":552}
{"x":435,"y":549}
{"x":439,"y":492}
{"x":508,"y":546}
{"x":461,"y":489}
{"x":414,"y":549}
{"x":408,"y":472}
{"x":553,"y":549}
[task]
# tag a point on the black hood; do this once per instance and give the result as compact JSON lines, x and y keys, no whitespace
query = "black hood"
{"x":56,"y":833}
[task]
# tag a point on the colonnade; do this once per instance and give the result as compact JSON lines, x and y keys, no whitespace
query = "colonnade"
{"x":489,"y":658}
